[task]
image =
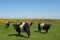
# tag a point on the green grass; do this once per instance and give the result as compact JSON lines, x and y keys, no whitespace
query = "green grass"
{"x":53,"y":34}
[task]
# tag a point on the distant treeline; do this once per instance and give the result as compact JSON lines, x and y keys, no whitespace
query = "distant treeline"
{"x":28,"y":20}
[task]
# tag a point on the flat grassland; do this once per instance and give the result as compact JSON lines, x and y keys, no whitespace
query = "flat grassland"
{"x":11,"y":34}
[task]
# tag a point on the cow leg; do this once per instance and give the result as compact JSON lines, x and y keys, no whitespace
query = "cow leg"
{"x":39,"y":29}
{"x":46,"y":30}
{"x":28,"y":33}
{"x":19,"y":33}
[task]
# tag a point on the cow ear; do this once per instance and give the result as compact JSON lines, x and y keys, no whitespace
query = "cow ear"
{"x":31,"y":23}
{"x":20,"y":23}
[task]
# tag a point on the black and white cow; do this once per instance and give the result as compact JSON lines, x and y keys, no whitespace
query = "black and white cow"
{"x":7,"y":24}
{"x":44,"y":27}
{"x":23,"y":27}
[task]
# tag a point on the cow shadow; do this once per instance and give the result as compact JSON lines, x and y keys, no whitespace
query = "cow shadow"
{"x":41,"y":32}
{"x":18,"y":36}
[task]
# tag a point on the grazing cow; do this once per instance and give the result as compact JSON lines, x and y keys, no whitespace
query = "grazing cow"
{"x":23,"y":27}
{"x":44,"y":27}
{"x":7,"y":24}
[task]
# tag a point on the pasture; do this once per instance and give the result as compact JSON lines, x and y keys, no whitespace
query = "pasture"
{"x":11,"y":34}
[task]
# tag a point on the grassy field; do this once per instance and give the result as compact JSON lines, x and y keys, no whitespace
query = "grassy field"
{"x":11,"y":34}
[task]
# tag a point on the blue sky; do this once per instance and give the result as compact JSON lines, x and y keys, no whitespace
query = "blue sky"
{"x":30,"y":9}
